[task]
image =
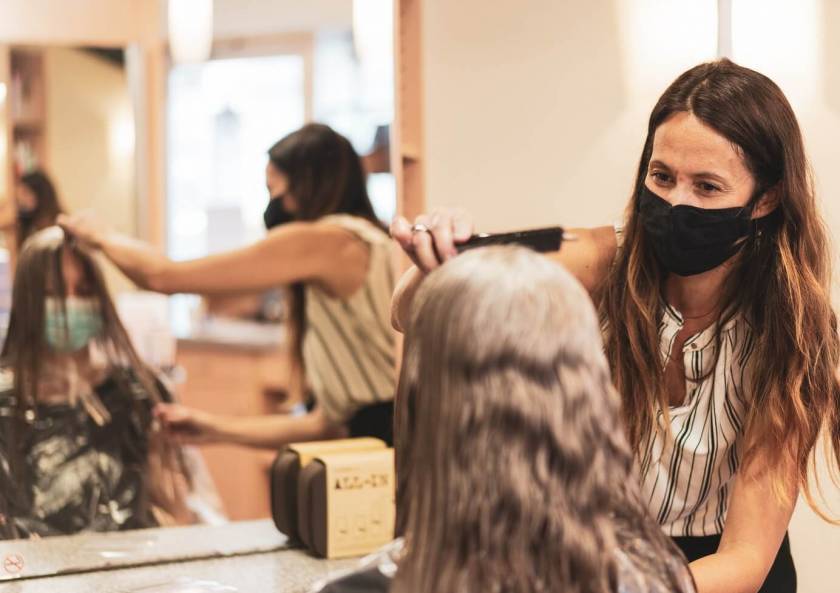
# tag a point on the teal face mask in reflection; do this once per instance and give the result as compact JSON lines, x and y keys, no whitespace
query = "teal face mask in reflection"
{"x":83,"y":323}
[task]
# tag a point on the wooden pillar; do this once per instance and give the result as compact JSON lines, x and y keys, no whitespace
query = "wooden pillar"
{"x":149,"y":70}
{"x":408,"y":143}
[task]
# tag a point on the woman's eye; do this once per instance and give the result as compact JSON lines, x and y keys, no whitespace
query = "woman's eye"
{"x":708,"y":188}
{"x":660,"y":176}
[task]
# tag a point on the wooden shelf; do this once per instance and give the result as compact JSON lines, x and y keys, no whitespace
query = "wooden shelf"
{"x":410,"y":153}
{"x":27,"y":108}
{"x":28,"y":124}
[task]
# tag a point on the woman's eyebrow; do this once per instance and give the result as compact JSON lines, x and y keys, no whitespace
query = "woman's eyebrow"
{"x":712,"y":176}
{"x":701,"y":174}
{"x":658,"y":163}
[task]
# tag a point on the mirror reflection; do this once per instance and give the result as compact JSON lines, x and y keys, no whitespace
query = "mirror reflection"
{"x":145,"y":348}
{"x":76,"y":400}
{"x":79,"y":449}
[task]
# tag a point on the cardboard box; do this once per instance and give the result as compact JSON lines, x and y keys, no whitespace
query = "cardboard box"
{"x":285,"y":472}
{"x":346,"y":503}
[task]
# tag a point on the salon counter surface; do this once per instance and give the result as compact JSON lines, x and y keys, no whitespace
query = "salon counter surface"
{"x":246,"y":557}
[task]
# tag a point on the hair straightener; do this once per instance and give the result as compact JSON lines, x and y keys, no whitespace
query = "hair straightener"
{"x":541,"y":240}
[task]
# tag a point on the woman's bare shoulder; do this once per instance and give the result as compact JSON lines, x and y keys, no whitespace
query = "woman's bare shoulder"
{"x":588,"y":254}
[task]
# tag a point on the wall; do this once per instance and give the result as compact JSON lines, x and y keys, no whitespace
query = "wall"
{"x":94,"y":22}
{"x":90,"y":138}
{"x":806,"y":68}
{"x":243,"y":18}
{"x":544,"y":110}
{"x":535,"y":113}
{"x":138,"y":24}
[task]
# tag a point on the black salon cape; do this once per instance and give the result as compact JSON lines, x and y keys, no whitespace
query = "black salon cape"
{"x":76,"y":475}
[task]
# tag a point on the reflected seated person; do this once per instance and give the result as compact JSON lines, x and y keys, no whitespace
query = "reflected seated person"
{"x":79,"y":450}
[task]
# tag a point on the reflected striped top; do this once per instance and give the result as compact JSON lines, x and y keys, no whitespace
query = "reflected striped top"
{"x":349,"y":346}
{"x":687,"y":474}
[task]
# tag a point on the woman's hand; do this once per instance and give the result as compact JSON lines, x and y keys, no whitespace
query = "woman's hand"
{"x":188,"y":425}
{"x":431,"y":240}
{"x":429,"y":243}
{"x":84,"y":227}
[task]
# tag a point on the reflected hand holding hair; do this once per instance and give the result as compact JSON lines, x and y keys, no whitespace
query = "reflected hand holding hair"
{"x":84,"y":227}
{"x":431,"y":240}
{"x":186,"y":425}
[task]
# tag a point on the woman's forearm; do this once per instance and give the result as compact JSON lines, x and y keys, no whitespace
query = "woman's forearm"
{"x":145,"y":266}
{"x":275,"y":431}
{"x":756,"y":522}
{"x":403,"y":297}
{"x":736,"y":570}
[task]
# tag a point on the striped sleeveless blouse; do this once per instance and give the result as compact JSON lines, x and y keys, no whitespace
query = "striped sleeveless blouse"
{"x":349,"y":346}
{"x":687,"y":474}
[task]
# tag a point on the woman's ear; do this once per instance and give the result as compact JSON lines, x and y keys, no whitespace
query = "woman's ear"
{"x":768,"y":202}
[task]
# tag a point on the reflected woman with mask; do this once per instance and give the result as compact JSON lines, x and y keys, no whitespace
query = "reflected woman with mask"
{"x":719,"y":329}
{"x":78,"y":450}
{"x":324,"y":242}
{"x":36,"y":207}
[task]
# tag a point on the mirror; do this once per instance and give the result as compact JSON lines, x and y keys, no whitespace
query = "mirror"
{"x":96,"y":120}
{"x":70,"y":146}
{"x":70,"y":129}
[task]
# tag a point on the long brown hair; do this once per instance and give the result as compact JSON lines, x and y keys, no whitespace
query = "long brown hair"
{"x":47,"y":204}
{"x":326,"y":177}
{"x":779,"y":282}
{"x":514,"y":473}
{"x":38,"y":275}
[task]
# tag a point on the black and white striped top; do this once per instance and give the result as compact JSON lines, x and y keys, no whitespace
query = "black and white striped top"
{"x":349,"y":346}
{"x":687,"y":474}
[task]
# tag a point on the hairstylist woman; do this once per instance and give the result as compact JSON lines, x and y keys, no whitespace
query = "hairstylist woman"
{"x":339,"y":261}
{"x":719,"y":330}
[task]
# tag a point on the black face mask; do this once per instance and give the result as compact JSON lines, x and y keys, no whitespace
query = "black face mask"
{"x":25,"y":216}
{"x":276,"y":214}
{"x":688,"y":240}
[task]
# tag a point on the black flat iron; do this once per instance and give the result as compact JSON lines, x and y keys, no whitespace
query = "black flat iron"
{"x":543,"y":240}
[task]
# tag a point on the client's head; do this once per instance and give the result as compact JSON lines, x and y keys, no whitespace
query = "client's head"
{"x":60,"y":306}
{"x":513,"y":464}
